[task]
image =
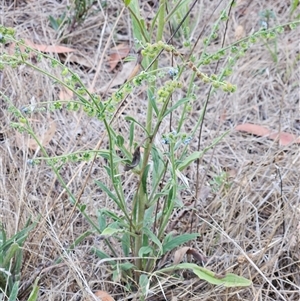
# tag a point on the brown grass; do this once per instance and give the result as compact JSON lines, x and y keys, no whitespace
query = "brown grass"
{"x":241,"y":224}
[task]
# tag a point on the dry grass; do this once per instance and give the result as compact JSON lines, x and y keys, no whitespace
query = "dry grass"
{"x":241,"y":224}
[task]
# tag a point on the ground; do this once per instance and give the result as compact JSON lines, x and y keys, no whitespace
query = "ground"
{"x":247,"y":205}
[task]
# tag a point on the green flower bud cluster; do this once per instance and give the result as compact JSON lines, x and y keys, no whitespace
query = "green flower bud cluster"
{"x":12,"y":61}
{"x":224,"y":16}
{"x":91,"y":108}
{"x":208,"y":58}
{"x":267,"y":34}
{"x":143,"y":76}
{"x":176,"y":138}
{"x":19,"y":126}
{"x":169,"y":87}
{"x":240,"y":48}
{"x":119,"y":95}
{"x":6,"y":33}
{"x":59,"y":160}
{"x":73,"y":106}
{"x":213,"y":79}
{"x":152,"y":50}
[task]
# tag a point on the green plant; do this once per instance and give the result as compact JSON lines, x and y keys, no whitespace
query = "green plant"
{"x":220,"y":181}
{"x":141,"y":226}
{"x":266,"y":17}
{"x":74,"y":16}
{"x":295,"y":4}
{"x":11,"y":256}
{"x":59,"y":22}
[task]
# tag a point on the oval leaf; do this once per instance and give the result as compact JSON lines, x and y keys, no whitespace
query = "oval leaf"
{"x":111,"y":231}
{"x":229,"y":280}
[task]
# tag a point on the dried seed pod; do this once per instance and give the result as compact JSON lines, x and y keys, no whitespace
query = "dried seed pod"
{"x":136,"y":158}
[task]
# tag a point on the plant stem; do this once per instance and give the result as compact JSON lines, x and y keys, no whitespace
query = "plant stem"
{"x":142,"y":198}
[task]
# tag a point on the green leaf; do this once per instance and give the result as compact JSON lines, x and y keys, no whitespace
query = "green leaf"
{"x":191,"y":158}
{"x":120,"y":141}
{"x":108,"y":170}
{"x":138,"y":26}
{"x":177,"y":241}
{"x":171,"y":197}
{"x":18,"y":238}
{"x":197,"y":155}
{"x":2,"y":236}
{"x":82,"y":208}
{"x":101,"y":220}
{"x":14,"y":291}
{"x":177,"y":104}
{"x":144,"y":284}
{"x":145,"y":176}
{"x":126,"y":266}
{"x":107,"y":191}
{"x":156,"y":159}
{"x":145,"y":251}
{"x":153,"y":104}
{"x":34,"y":293}
{"x":111,"y":231}
{"x":294,"y":6}
{"x":100,"y":253}
{"x":54,"y":23}
{"x":129,"y":58}
{"x":127,"y":2}
{"x":230,"y":280}
{"x":10,"y":254}
{"x":103,"y":255}
{"x":131,"y":134}
{"x":129,"y":118}
{"x":126,"y":244}
{"x":18,"y":264}
{"x":78,"y":240}
{"x":154,"y":238}
{"x":110,"y":214}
